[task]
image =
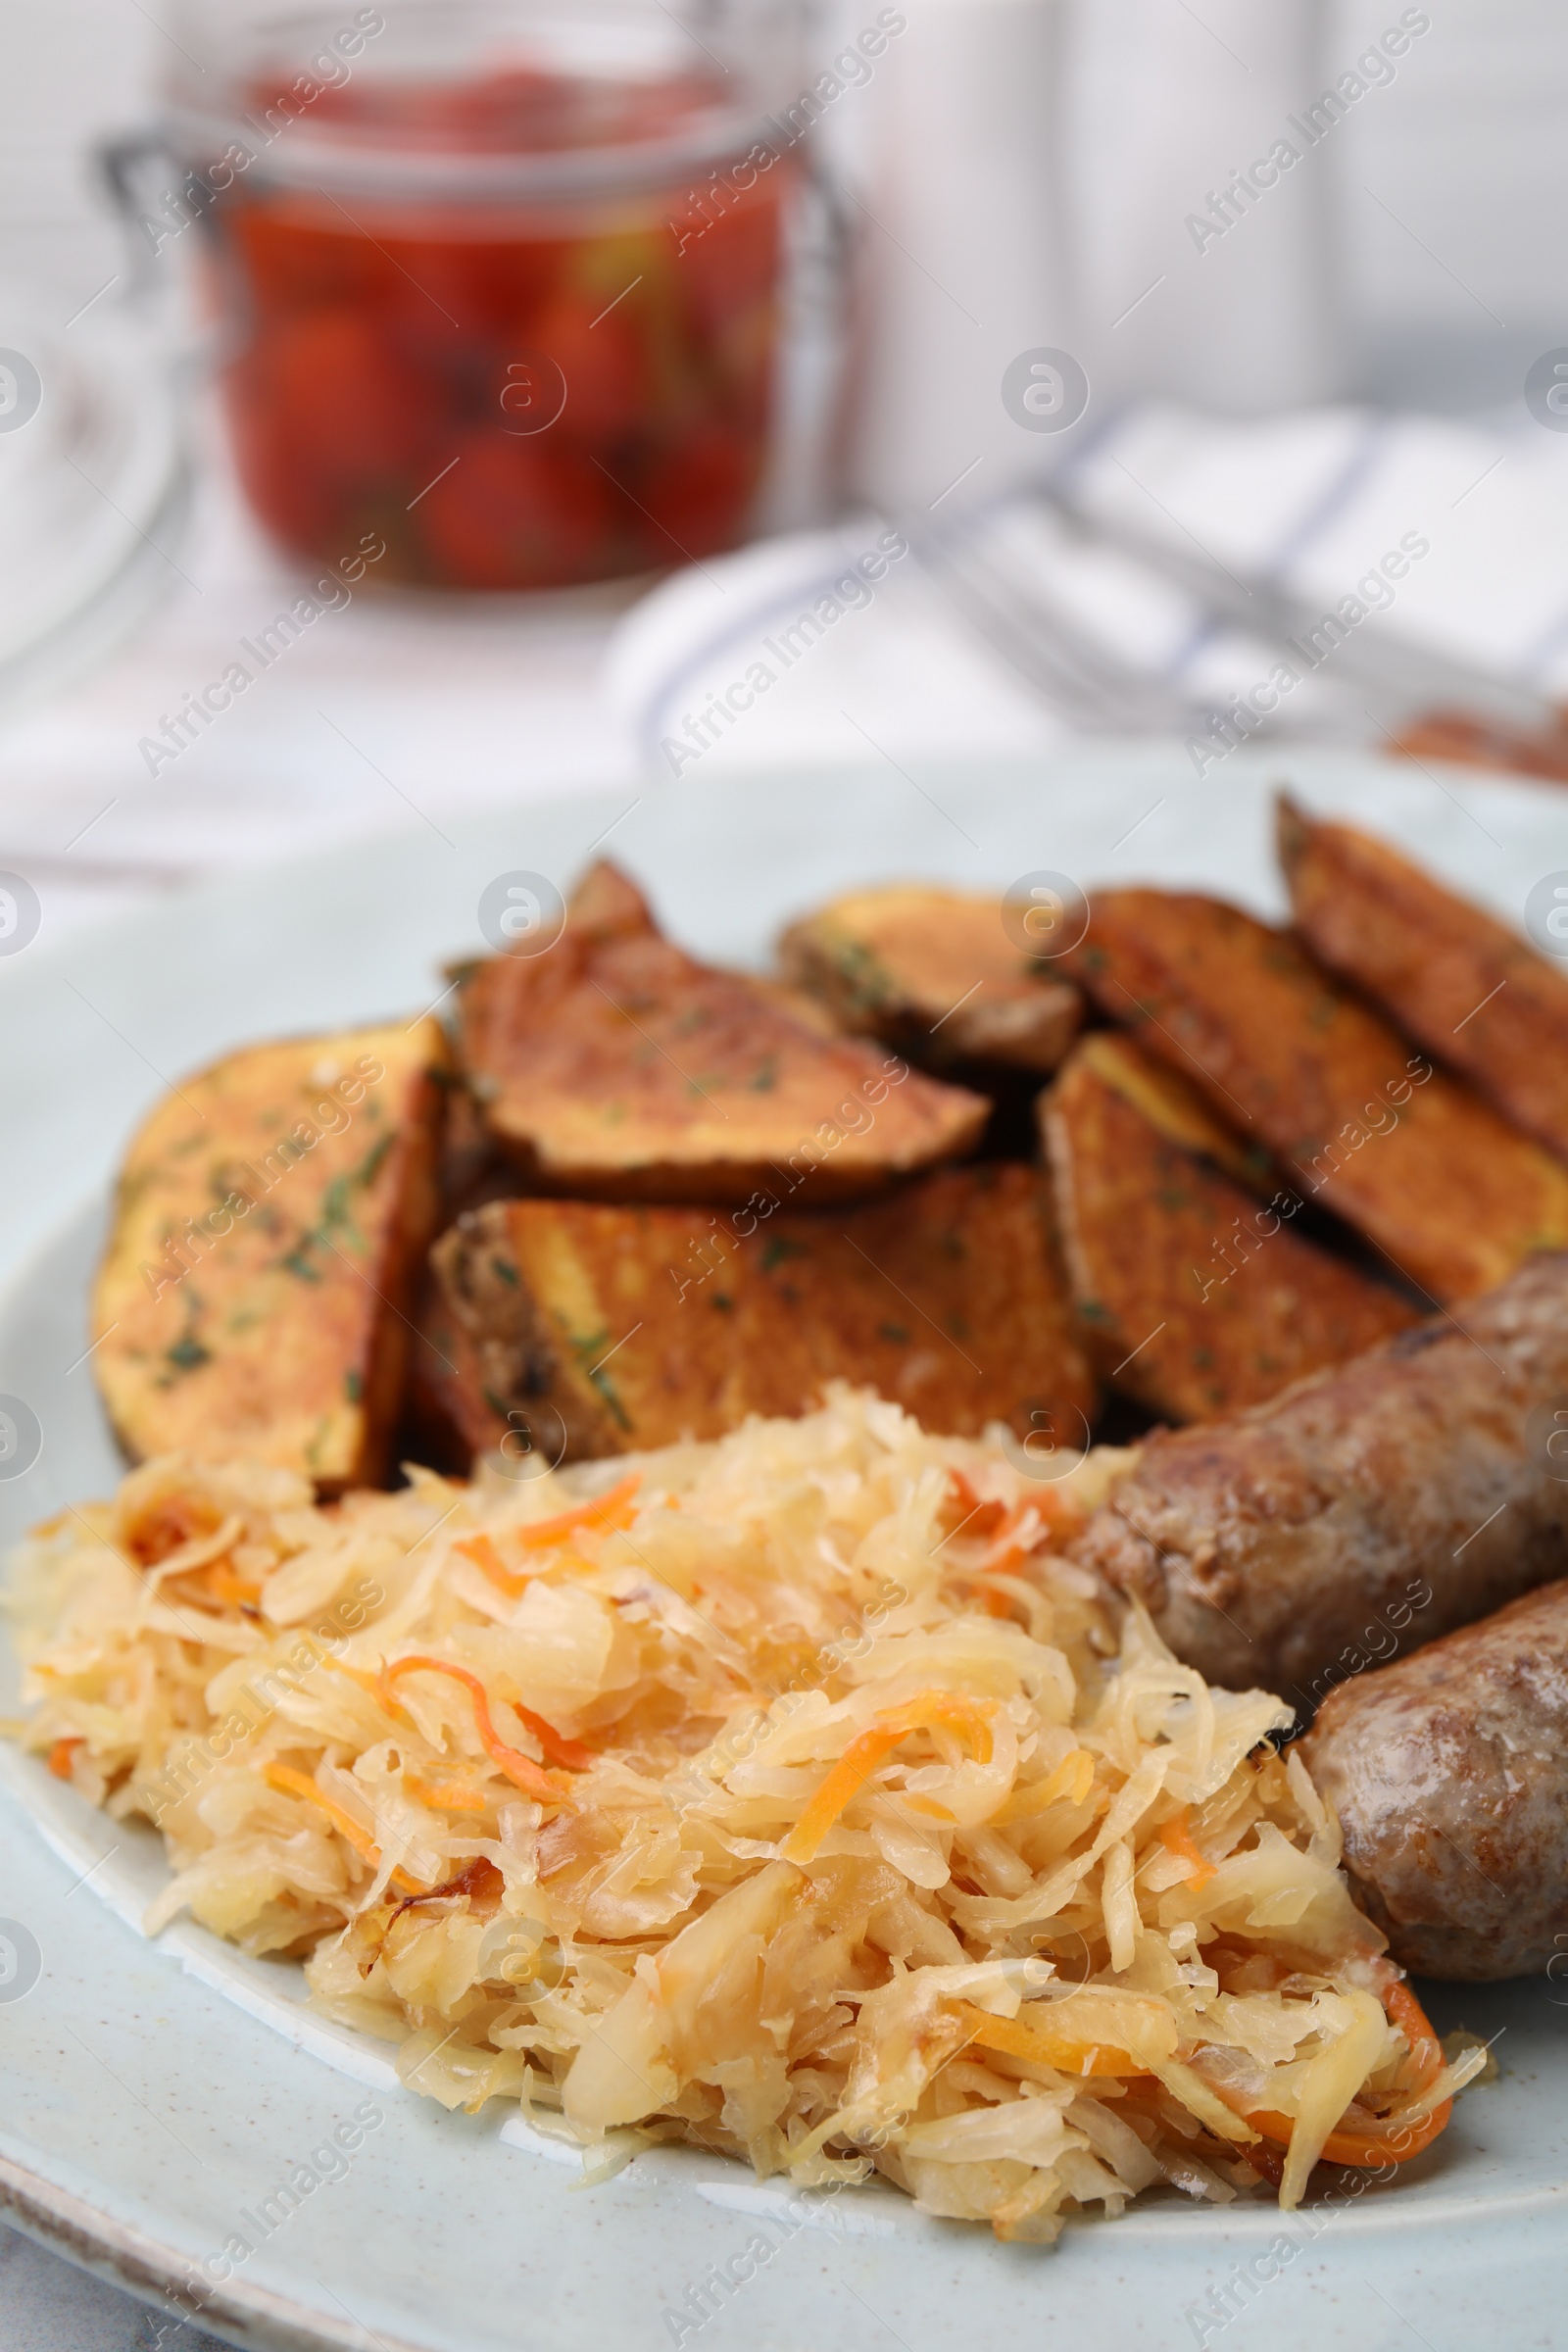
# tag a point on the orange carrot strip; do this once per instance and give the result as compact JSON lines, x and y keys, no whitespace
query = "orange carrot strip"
{"x":62,"y":1754}
{"x":1056,"y":1517}
{"x":557,"y":1747}
{"x":453,"y":1796}
{"x":1072,"y":1779}
{"x":1176,"y":1837}
{"x":291,"y":1783}
{"x":844,"y":1782}
{"x":1048,"y":2049}
{"x":1396,"y":2146}
{"x":1010,"y":1549}
{"x":1062,"y":1513}
{"x":1392,"y":2142}
{"x":981,"y":1518}
{"x":520,"y":1770}
{"x":931,"y":1709}
{"x":1406,"y":2012}
{"x":224,"y":1585}
{"x":611,"y":1509}
{"x":484,"y":1554}
{"x":867,"y":1751}
{"x":927,"y":1804}
{"x":367,"y":1682}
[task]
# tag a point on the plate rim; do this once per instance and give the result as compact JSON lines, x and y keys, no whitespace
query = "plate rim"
{"x":137,"y":2261}
{"x":64,"y":2224}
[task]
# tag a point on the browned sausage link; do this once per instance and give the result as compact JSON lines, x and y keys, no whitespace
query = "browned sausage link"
{"x":1450,"y":1772}
{"x":1364,"y":1511}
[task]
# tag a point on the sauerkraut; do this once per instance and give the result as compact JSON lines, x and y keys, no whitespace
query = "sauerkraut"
{"x":794,"y":1794}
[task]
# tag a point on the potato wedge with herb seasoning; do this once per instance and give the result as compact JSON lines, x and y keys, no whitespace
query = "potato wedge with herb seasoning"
{"x":1466,"y":987}
{"x":614,"y":1065}
{"x":636,"y":1327}
{"x":1173,"y":1106}
{"x":269,"y":1222}
{"x":1197,"y":1299}
{"x":1453,"y":1196}
{"x":934,"y":973}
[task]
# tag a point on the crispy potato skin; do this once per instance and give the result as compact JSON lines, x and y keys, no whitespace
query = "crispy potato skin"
{"x":616,"y":1065}
{"x":640,"y":1326}
{"x":473,"y":1168}
{"x":1198,"y":1302}
{"x":934,"y":973}
{"x":445,"y":1419}
{"x":1472,"y":991}
{"x":1173,"y":1106}
{"x":1449,"y":1774}
{"x":608,"y":904}
{"x":276,"y":1331}
{"x":1295,"y":1544}
{"x":1453,"y":1196}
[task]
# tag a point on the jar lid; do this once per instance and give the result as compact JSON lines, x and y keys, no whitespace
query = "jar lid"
{"x":91,"y":474}
{"x":478,"y":99}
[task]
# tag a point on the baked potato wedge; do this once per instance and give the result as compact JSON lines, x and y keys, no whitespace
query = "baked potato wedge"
{"x":1173,"y":1106}
{"x":269,"y":1222}
{"x":441,"y":1382}
{"x":611,"y":1329}
{"x":1450,"y":1195}
{"x":473,"y":1168}
{"x":1467,"y":988}
{"x":1198,"y":1301}
{"x":934,"y":973}
{"x":1470,"y":739}
{"x":615,"y":1066}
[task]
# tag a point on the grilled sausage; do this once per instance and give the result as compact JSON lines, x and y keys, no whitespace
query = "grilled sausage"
{"x":1364,"y":1511}
{"x":1450,"y":1772}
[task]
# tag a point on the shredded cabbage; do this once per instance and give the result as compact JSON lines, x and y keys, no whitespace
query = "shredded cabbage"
{"x":800,"y":1798}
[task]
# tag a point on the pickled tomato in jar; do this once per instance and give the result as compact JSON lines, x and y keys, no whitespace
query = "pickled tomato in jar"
{"x":513,"y":380}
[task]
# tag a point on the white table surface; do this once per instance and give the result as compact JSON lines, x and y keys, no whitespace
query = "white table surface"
{"x":48,"y":2306}
{"x":389,"y":711}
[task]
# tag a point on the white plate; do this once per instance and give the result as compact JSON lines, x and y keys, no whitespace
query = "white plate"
{"x":153,"y":2094}
{"x":93,"y":483}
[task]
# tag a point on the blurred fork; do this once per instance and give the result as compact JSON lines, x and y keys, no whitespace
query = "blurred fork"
{"x":1376,"y":688}
{"x":1013,"y":609}
{"x":1398,"y":678}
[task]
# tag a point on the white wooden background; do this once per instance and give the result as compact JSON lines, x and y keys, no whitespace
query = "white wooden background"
{"x":1470,"y":146}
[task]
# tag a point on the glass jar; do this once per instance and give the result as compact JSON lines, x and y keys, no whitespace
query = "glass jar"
{"x":499,"y":282}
